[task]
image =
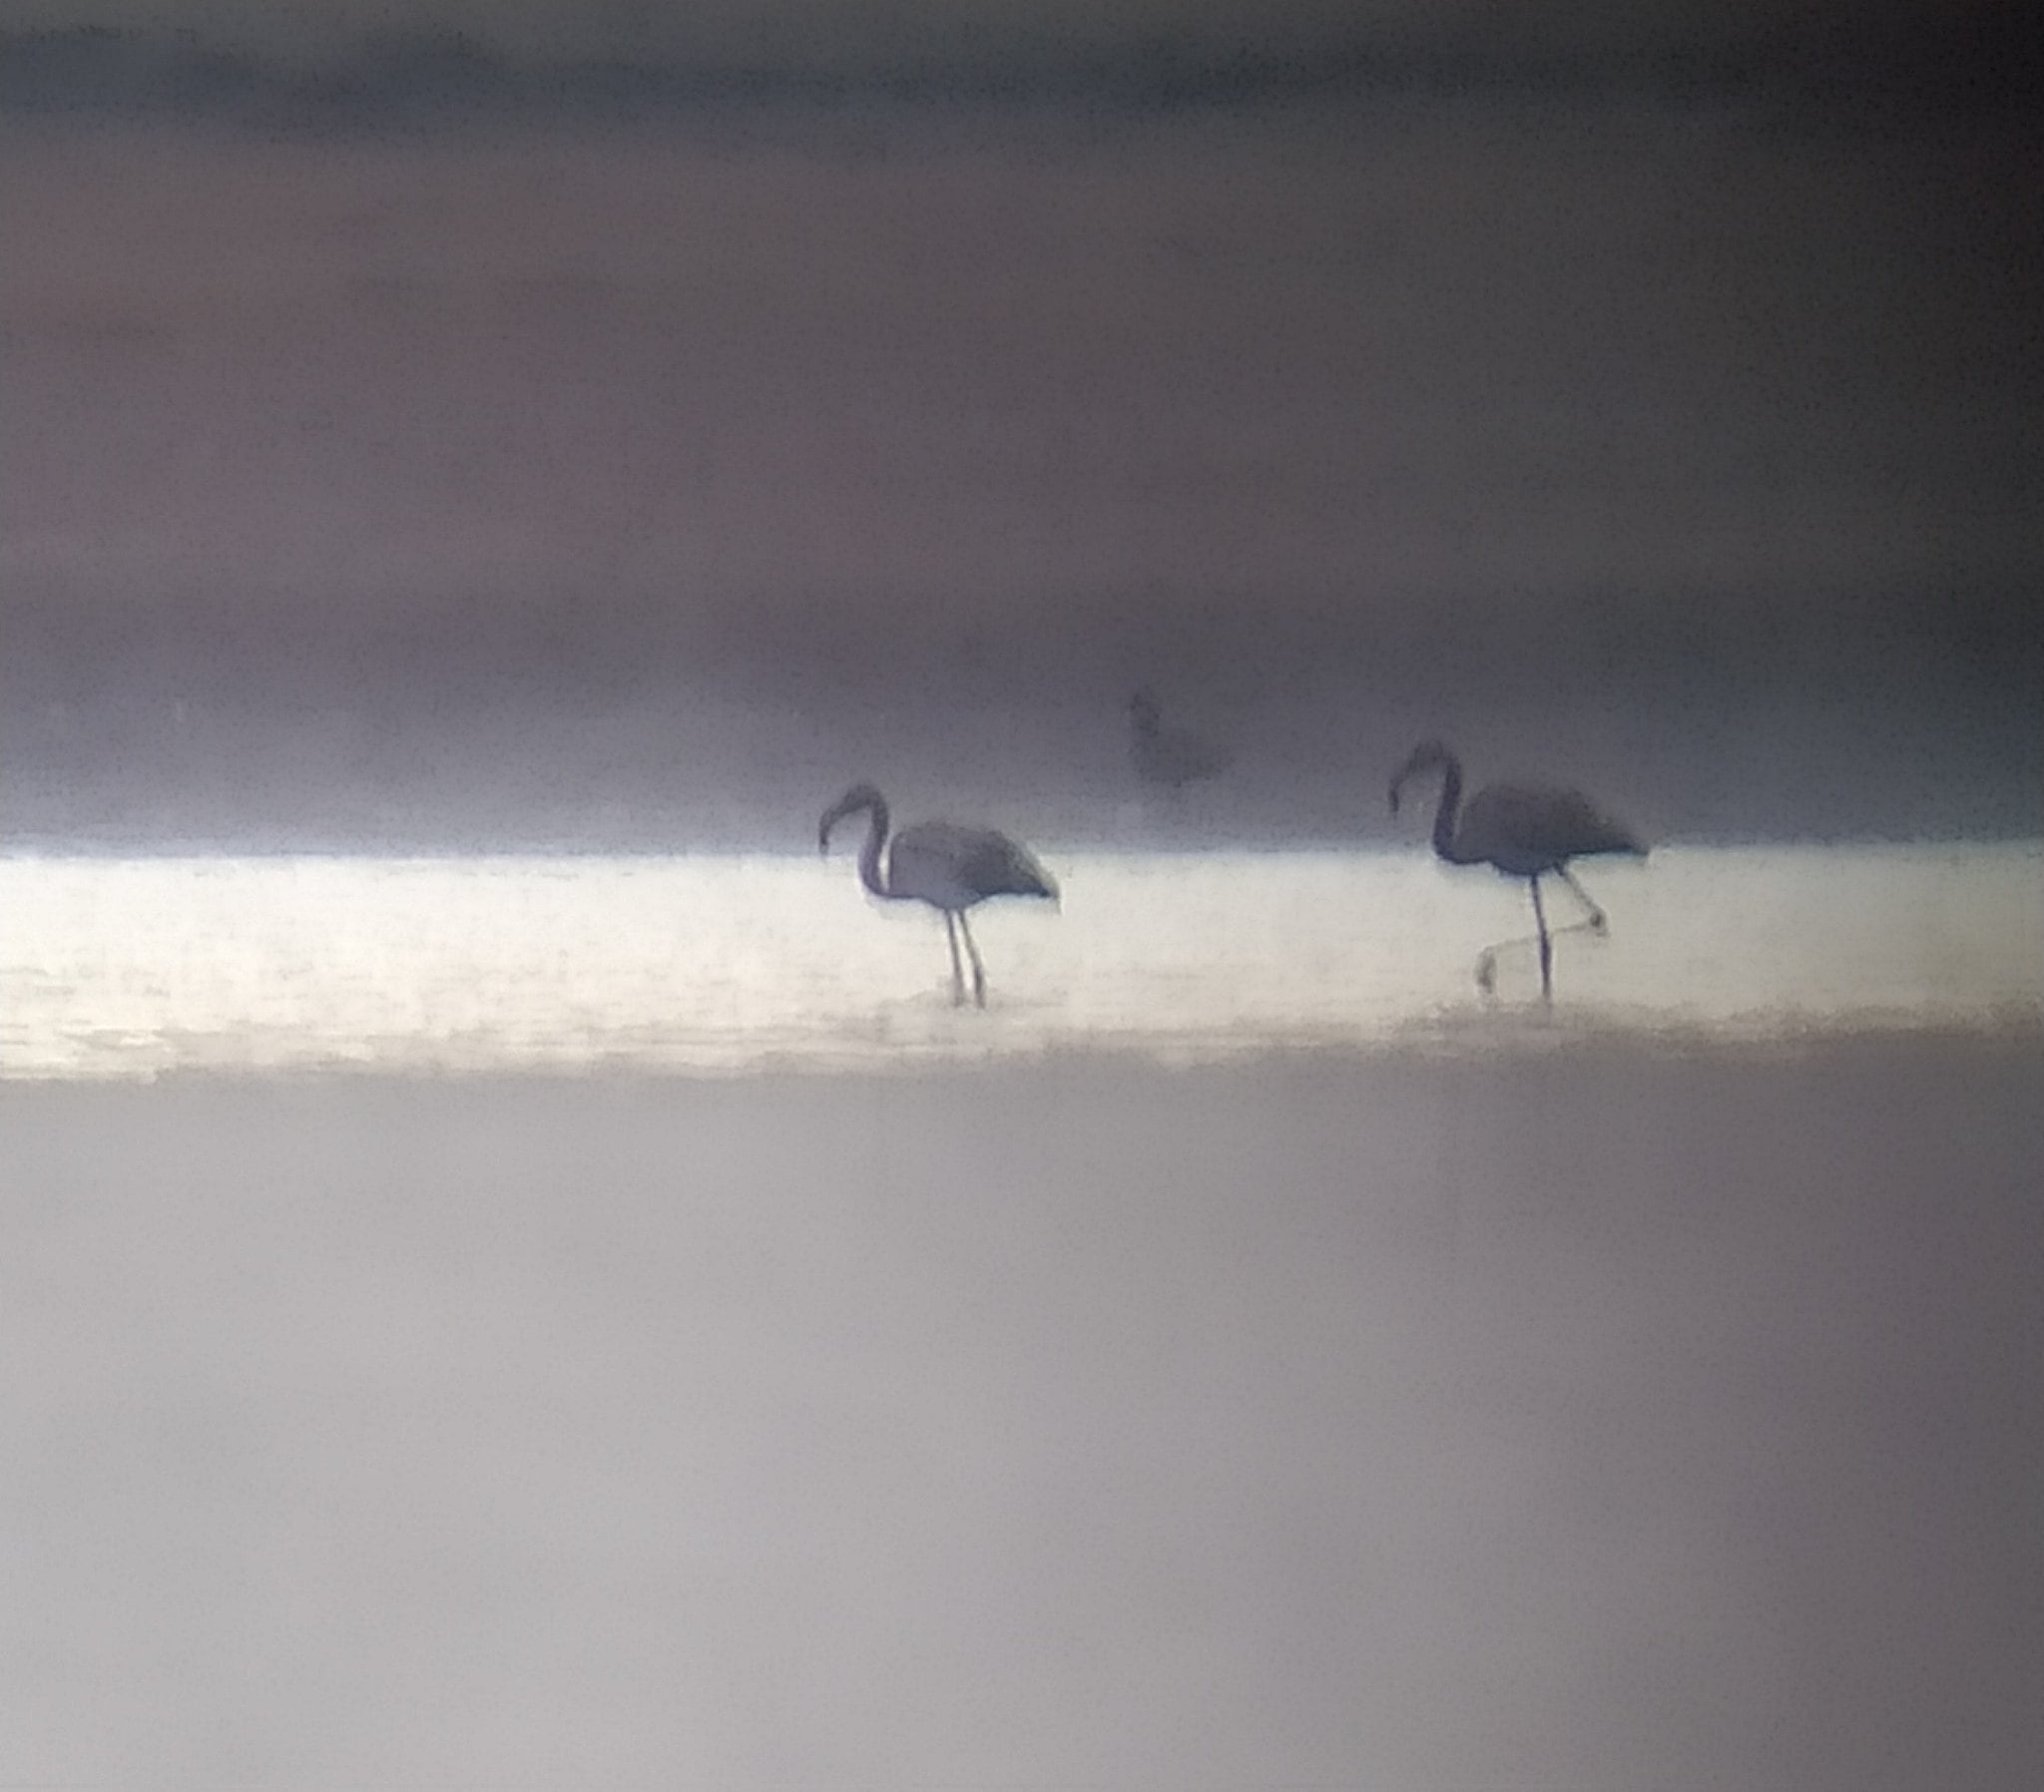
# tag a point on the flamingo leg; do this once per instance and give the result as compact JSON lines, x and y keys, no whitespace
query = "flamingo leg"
{"x":1593,"y":914}
{"x":978,"y":968}
{"x":1546,"y":943}
{"x":1593,"y":922}
{"x":957,"y":969}
{"x":1486,"y":965}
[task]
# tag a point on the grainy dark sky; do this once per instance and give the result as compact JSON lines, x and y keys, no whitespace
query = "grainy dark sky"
{"x":1642,"y":394}
{"x":849,"y":29}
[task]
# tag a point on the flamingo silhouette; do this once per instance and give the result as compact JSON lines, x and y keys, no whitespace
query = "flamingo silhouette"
{"x":1521,"y":830}
{"x":949,"y":867}
{"x":1171,"y":758}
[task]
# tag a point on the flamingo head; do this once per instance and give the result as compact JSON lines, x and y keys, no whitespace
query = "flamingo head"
{"x":1428,"y":755}
{"x":859,"y":797}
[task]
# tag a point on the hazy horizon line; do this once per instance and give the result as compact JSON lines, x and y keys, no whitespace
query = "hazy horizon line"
{"x":426,"y":846}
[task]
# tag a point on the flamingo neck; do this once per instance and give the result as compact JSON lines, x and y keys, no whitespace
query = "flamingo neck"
{"x":1445,"y":813}
{"x":869,"y":854}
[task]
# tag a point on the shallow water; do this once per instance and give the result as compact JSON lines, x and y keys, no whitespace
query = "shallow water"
{"x":132,"y":968}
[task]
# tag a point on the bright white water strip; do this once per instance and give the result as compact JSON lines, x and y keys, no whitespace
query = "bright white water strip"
{"x":126,"y":968}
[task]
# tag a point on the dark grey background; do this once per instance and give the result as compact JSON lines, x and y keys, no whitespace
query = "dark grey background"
{"x":599,"y":429}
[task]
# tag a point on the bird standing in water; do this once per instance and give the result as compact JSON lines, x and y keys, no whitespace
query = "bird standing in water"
{"x":949,"y":867}
{"x":1522,"y":831}
{"x":1171,"y":758}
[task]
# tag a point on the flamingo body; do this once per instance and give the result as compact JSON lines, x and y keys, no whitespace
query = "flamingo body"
{"x":1524,"y":830}
{"x":952,"y":868}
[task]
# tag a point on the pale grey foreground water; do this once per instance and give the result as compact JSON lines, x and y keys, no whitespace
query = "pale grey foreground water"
{"x":134,"y":968}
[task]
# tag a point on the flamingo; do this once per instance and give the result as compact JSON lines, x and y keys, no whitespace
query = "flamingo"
{"x":949,"y":867}
{"x":1171,"y":758}
{"x":1523,"y":831}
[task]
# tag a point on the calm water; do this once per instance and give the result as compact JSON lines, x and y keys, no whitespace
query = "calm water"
{"x":132,"y":968}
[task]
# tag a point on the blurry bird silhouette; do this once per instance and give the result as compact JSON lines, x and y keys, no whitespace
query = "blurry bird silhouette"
{"x":951,"y":868}
{"x":1523,"y":831}
{"x":1170,"y":757}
